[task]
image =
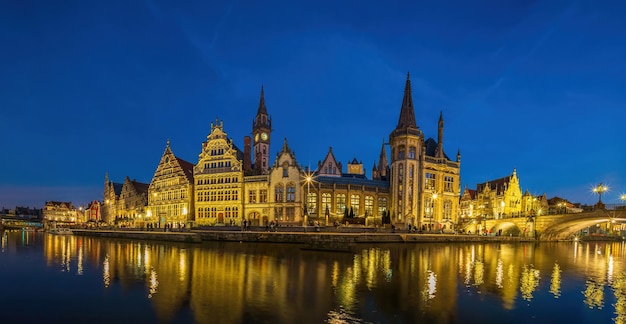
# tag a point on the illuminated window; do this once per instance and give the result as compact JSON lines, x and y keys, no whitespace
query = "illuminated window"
{"x":355,"y":203}
{"x":278,"y":213}
{"x":369,"y":205}
{"x":263,"y":195}
{"x":326,"y":202}
{"x":312,"y":202}
{"x":341,"y":203}
{"x":252,"y":196}
{"x":430,"y":181}
{"x":448,"y":184}
{"x":382,"y":206}
{"x":447,"y":209}
{"x":290,"y":213}
{"x":428,"y":208}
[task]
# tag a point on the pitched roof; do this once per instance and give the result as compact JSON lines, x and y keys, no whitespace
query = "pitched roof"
{"x":140,"y":187}
{"x":187,"y":168}
{"x":497,"y":184}
{"x":432,"y":147}
{"x":352,"y":180}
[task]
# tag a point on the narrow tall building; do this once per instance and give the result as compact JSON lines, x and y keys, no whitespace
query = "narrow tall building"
{"x":424,"y":182}
{"x":218,"y":179}
{"x":261,"y":129}
{"x":170,"y":192}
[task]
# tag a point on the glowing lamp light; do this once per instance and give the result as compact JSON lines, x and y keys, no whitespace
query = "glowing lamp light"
{"x":599,"y":189}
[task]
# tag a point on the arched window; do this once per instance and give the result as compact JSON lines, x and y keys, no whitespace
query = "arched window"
{"x":341,"y":203}
{"x":355,"y":204}
{"x":369,"y":206}
{"x":312,"y":203}
{"x":382,"y":206}
{"x":327,"y":202}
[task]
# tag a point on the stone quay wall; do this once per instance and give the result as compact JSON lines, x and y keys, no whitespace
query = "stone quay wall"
{"x":309,"y":237}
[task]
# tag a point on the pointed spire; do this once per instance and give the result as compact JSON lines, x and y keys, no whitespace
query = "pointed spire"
{"x":383,"y":163}
{"x":407,"y":114}
{"x":440,"y":137}
{"x":262,"y":108}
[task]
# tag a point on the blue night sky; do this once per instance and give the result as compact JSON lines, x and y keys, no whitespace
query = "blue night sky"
{"x":89,"y":87}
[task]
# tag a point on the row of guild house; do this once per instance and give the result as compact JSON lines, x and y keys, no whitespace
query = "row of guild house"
{"x":413,"y":182}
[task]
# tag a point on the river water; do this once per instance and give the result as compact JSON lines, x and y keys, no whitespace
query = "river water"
{"x":71,"y":279}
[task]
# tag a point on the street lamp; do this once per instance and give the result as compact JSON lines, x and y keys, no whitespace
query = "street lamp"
{"x":308,"y":178}
{"x":432,"y":215}
{"x":599,"y":189}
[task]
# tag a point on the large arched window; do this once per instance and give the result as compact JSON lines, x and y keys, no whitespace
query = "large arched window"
{"x":327,"y":202}
{"x":340,"y":203}
{"x":311,"y":203}
{"x":369,"y":205}
{"x":355,"y":204}
{"x":382,"y":206}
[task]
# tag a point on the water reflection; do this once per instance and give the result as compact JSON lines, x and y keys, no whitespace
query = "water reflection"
{"x":231,"y":282}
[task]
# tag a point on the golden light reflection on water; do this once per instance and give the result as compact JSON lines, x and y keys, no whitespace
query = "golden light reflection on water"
{"x":619,"y":290}
{"x":594,"y":294}
{"x":153,"y":283}
{"x":106,"y":271}
{"x":529,"y":282}
{"x":417,"y":279}
{"x":555,"y":281}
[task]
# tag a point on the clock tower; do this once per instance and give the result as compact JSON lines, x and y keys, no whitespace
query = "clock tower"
{"x":261,"y":129}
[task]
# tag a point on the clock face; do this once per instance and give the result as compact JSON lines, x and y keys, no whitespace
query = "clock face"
{"x":264,"y":136}
{"x":256,"y":137}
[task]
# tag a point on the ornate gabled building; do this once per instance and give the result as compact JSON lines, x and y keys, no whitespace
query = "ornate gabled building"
{"x":170,"y":194}
{"x":132,"y":203}
{"x":59,"y":212}
{"x":219,"y":179}
{"x":94,"y":211}
{"x":500,"y":198}
{"x":333,"y":193}
{"x":112,"y":191}
{"x":425,"y":183}
{"x":286,"y":188}
{"x":418,"y":185}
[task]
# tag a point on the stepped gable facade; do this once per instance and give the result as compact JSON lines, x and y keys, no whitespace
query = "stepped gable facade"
{"x":170,"y":193}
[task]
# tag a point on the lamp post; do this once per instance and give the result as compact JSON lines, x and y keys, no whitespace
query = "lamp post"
{"x":599,"y":189}
{"x":432,"y":215}
{"x":308,"y":178}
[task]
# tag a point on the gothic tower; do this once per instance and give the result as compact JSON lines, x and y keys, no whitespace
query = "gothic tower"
{"x":261,"y":129}
{"x":406,"y":142}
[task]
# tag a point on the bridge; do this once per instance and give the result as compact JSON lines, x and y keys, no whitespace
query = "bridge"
{"x":555,"y":227}
{"x":17,"y":223}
